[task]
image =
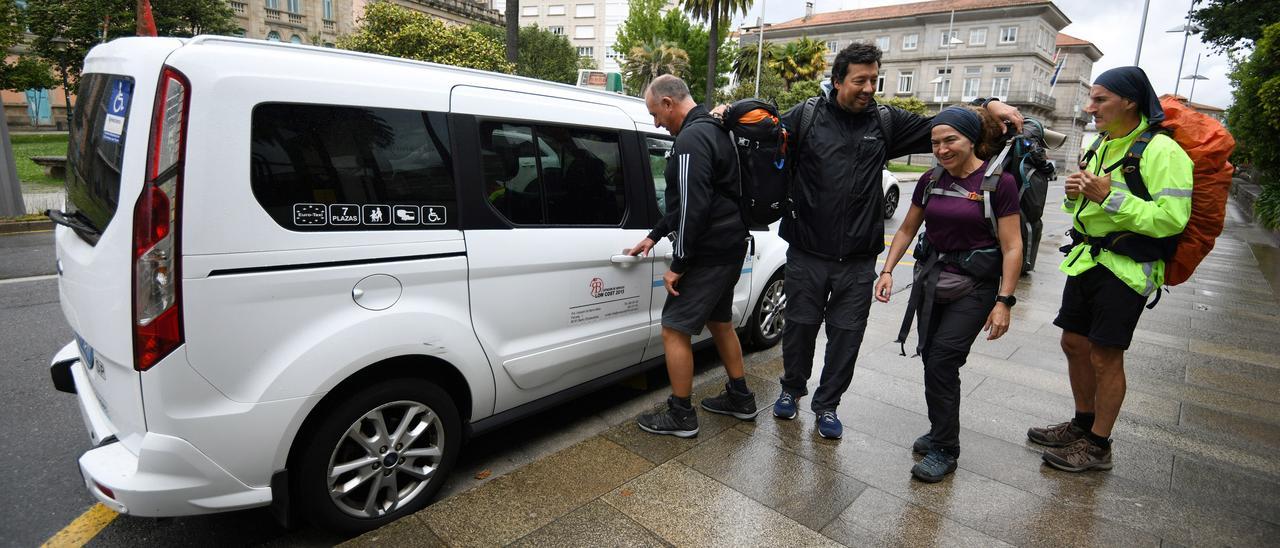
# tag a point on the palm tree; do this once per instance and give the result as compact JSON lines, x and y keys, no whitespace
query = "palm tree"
{"x":648,"y":61}
{"x":513,"y":29}
{"x":803,"y":59}
{"x":713,"y":11}
{"x":744,"y":65}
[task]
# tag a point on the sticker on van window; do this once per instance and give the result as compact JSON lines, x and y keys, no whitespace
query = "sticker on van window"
{"x":310,"y":214}
{"x":377,"y":215}
{"x":118,"y":94}
{"x":434,"y":215}
{"x":344,"y":214}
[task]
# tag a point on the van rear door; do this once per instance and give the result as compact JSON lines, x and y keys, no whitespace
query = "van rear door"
{"x":106,"y":157}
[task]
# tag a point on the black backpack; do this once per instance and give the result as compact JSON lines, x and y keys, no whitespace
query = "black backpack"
{"x":761,"y":144}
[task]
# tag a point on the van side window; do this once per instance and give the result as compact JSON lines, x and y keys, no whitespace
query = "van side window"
{"x":552,"y":175}
{"x":324,"y":167}
{"x":659,"y":150}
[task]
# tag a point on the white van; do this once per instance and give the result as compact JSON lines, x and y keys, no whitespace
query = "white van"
{"x":303,"y":277}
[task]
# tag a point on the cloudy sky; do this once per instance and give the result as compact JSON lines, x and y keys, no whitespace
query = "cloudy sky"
{"x":1112,"y":25}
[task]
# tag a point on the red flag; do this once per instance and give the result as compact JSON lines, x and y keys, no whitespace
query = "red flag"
{"x":146,"y":23}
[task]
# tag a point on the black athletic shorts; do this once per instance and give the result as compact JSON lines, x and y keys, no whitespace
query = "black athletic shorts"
{"x":1100,"y":306}
{"x":706,"y":294}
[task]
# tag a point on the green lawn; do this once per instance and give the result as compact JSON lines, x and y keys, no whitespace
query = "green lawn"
{"x":894,"y":166}
{"x":32,"y":175}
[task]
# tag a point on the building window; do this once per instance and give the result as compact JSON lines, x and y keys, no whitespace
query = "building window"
{"x":328,"y":9}
{"x":978,"y":37}
{"x":557,"y":30}
{"x":272,"y":4}
{"x":883,"y":43}
{"x":1000,"y":85}
{"x":584,"y":10}
{"x":1008,"y":35}
{"x":586,"y":51}
{"x":943,"y":42}
{"x":880,"y":84}
{"x":529,"y":11}
{"x":555,"y":10}
{"x":905,"y":77}
{"x":972,"y":83}
{"x":239,"y":32}
{"x":273,"y":36}
{"x":942,"y":89}
{"x":295,"y":6}
{"x":295,"y":39}
{"x":585,"y":32}
{"x":909,"y":41}
{"x":833,"y":46}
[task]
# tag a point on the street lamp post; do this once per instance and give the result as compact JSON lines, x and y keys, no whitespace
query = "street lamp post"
{"x":944,"y":80}
{"x":1186,"y":29}
{"x":1195,"y":75}
{"x":760,"y":47}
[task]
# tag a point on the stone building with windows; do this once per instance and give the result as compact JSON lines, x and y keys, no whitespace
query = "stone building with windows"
{"x":945,"y":52}
{"x":590,"y":25}
{"x":321,"y":22}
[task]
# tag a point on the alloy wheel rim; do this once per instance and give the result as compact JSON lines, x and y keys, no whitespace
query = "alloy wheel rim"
{"x":772,"y":307}
{"x":890,"y":204}
{"x":385,"y":459}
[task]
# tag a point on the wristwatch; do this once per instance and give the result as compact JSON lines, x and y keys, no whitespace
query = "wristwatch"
{"x":1008,"y":300}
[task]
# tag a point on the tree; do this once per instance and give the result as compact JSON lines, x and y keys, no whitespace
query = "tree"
{"x":714,"y":11}
{"x":512,"y":16}
{"x":803,"y":59}
{"x":695,"y":40}
{"x":771,"y":87}
{"x":909,"y":104}
{"x":799,"y":91}
{"x":649,"y":61}
{"x":192,"y":17}
{"x":1233,"y":25}
{"x":744,"y":63}
{"x":643,"y":25}
{"x":25,"y":73}
{"x":542,"y":54}
{"x":1254,"y":119}
{"x":388,"y":29}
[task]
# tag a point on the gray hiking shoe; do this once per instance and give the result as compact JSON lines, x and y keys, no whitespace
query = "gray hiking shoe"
{"x":1056,"y":435}
{"x":730,"y":402}
{"x":1080,"y":456}
{"x":675,"y":420}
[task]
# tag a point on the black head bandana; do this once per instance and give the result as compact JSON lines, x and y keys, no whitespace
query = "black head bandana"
{"x":965,"y":121}
{"x":1132,"y":84}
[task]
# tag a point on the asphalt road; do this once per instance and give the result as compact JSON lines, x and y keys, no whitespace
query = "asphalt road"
{"x":45,"y":435}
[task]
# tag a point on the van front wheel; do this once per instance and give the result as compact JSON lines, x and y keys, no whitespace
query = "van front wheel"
{"x":767,"y":320}
{"x":380,"y":454}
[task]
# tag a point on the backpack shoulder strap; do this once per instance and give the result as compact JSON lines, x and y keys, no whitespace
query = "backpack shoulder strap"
{"x":1093,"y":151}
{"x":1131,"y":164}
{"x":991,"y":180}
{"x":935,"y":175}
{"x":886,"y":124}
{"x":806,"y":118}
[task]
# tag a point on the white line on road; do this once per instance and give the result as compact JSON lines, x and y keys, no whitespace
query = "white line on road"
{"x":29,"y":279}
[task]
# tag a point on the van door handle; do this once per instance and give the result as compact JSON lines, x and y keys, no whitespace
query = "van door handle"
{"x":625,"y":259}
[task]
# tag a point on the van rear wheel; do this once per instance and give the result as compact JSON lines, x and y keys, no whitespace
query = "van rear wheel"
{"x":380,"y":454}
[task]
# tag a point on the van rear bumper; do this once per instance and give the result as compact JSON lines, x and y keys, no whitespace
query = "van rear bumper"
{"x":166,"y":477}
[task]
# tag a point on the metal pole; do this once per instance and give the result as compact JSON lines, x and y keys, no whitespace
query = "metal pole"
{"x":946,"y":64}
{"x":1186,"y":33}
{"x":760,"y":47}
{"x":1142,"y":30}
{"x":1194,"y":76}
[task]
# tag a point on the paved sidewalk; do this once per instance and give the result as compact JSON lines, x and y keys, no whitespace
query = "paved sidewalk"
{"x":1194,"y":447}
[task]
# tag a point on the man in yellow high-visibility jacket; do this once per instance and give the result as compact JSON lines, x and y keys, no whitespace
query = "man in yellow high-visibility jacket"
{"x":1117,"y":262}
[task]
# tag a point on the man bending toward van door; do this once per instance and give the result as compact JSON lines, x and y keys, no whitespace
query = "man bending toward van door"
{"x":710,"y":240}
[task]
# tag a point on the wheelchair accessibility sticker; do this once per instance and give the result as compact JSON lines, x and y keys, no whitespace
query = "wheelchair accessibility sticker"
{"x":117,"y":103}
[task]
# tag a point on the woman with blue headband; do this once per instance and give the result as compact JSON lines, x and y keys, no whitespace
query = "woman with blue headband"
{"x":968,"y":263}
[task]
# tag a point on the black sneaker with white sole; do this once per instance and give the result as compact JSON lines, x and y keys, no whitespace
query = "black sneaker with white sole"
{"x":733,"y":403}
{"x":676,"y":420}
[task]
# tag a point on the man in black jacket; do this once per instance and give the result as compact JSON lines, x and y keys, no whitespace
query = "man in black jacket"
{"x":710,"y":243}
{"x":836,"y":226}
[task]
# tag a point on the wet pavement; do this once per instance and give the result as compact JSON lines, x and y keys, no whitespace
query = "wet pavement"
{"x":1194,"y":446}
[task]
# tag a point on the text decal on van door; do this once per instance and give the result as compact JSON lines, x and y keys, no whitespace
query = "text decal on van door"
{"x":117,"y":99}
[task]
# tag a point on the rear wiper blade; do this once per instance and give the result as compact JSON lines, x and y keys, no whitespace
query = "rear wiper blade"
{"x":71,"y":220}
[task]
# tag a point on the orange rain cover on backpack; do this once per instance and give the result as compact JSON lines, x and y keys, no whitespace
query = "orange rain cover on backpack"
{"x":1209,"y":145}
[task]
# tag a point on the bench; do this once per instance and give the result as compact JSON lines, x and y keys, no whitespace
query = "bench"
{"x":54,"y":166}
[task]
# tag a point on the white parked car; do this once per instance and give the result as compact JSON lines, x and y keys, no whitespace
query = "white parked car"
{"x":303,"y":277}
{"x":892,"y":194}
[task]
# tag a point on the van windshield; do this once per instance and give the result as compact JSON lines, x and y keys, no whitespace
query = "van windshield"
{"x":95,"y":147}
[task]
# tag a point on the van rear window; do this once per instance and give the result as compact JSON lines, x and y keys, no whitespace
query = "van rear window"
{"x":327,"y":168}
{"x":95,"y":147}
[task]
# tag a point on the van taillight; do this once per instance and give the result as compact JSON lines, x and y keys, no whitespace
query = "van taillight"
{"x":157,"y":294}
